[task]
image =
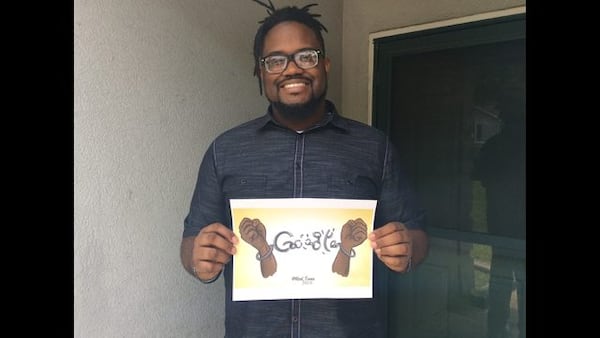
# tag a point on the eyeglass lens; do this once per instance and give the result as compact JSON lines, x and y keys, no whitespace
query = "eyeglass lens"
{"x":304,"y":59}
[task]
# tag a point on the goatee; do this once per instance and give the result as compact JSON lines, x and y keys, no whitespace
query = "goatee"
{"x":299,"y":111}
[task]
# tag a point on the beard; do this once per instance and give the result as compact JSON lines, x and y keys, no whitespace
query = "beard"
{"x":299,"y":111}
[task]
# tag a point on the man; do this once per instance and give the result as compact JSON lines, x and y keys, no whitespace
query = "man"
{"x":501,"y":170}
{"x":301,"y":148}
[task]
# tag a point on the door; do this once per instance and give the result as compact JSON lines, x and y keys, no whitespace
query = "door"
{"x":452,"y":100}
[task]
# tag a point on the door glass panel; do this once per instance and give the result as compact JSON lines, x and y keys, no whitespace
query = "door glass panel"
{"x":457,"y":115}
{"x":458,"y":119}
{"x":465,"y":290}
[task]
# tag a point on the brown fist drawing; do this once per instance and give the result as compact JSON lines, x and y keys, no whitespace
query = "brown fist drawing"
{"x":354,"y":232}
{"x":255,"y":234}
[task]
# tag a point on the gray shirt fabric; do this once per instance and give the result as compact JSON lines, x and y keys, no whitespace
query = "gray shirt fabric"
{"x":338,"y":158}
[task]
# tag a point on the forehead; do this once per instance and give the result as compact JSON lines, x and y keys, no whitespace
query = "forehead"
{"x":288,"y":37}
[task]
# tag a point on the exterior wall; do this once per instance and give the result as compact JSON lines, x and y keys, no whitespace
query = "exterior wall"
{"x":154,"y":82}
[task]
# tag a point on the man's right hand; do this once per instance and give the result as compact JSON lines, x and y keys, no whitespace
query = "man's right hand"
{"x":212,"y":249}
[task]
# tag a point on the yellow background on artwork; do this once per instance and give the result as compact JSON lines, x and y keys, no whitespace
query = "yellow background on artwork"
{"x":247,"y":273}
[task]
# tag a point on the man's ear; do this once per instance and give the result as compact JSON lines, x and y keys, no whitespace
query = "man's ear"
{"x":327,"y":63}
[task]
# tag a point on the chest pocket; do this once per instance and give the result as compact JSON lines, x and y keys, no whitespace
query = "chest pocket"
{"x":250,"y":186}
{"x":352,"y":186}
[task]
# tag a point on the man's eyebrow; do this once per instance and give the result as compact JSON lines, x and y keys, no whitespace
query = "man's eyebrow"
{"x":278,"y":52}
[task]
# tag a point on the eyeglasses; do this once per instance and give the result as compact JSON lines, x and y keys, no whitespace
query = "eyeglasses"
{"x":305,"y":59}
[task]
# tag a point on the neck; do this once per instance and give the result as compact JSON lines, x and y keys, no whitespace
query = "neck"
{"x":301,"y":123}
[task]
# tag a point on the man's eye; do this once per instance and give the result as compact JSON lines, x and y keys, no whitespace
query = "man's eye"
{"x":307,"y":57}
{"x":276,"y":61}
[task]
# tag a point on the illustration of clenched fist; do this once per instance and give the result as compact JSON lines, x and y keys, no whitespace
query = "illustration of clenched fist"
{"x":354,"y":232}
{"x":254,"y":233}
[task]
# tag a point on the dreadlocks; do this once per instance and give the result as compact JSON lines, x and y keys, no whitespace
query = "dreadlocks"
{"x":276,"y":16}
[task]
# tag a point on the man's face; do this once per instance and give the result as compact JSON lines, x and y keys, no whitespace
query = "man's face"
{"x":294,"y":86}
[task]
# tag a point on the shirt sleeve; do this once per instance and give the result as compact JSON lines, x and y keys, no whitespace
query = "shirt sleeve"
{"x":397,"y":201}
{"x":207,"y":204}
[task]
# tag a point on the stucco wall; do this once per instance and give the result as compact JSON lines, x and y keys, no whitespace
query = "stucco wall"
{"x":364,"y":17}
{"x":154,"y":82}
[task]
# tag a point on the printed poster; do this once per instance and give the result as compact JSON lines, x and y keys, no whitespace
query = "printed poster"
{"x":298,"y":248}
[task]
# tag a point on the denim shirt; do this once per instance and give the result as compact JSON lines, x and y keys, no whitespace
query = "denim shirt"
{"x":338,"y":158}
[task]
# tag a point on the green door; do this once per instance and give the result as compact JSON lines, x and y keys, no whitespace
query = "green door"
{"x":453,"y":101}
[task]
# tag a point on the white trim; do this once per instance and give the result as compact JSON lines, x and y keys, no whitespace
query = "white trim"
{"x":425,"y":26}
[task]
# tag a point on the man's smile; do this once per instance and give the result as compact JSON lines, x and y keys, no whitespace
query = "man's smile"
{"x":295,"y":86}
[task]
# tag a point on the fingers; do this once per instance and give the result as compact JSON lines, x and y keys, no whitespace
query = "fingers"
{"x":221,"y":230}
{"x":393,"y":246}
{"x":398,"y":264}
{"x":253,"y":232}
{"x":248,"y":231}
{"x":354,"y":232}
{"x":213,"y":248}
{"x":206,"y":270}
{"x":211,"y":254}
{"x":388,"y":235}
{"x":396,"y":250}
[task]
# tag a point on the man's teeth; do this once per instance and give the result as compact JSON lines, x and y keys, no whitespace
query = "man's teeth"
{"x":292,"y":85}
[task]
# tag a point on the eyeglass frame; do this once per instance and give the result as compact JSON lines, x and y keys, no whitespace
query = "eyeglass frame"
{"x":291,"y":57}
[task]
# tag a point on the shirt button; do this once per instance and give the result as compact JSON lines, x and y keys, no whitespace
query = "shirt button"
{"x":294,"y":319}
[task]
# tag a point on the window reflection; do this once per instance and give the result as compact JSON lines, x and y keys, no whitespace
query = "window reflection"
{"x":499,"y":168}
{"x":484,"y":297}
{"x":499,"y":290}
{"x":499,"y":189}
{"x":458,"y":118}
